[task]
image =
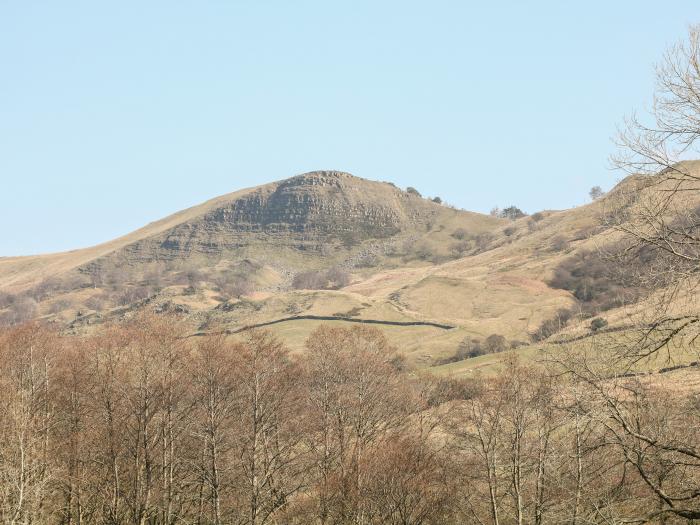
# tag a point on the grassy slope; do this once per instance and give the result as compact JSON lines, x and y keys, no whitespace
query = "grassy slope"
{"x":502,"y":290}
{"x":21,"y":272}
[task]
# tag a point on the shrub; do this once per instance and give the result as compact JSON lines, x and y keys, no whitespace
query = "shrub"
{"x":460,"y":248}
{"x":553,"y":325}
{"x":460,"y":234}
{"x":495,"y":343}
{"x":97,"y":302}
{"x":132,"y":294}
{"x":337,"y":278}
{"x":369,"y":260}
{"x":598,"y":323}
{"x":510,"y":230}
{"x":559,"y":243}
{"x":595,"y":282}
{"x":483,"y":241}
{"x":330,"y":279}
{"x":311,"y":280}
{"x":467,"y":349}
{"x":193,"y":277}
{"x":350,"y":238}
{"x":586,"y":232}
{"x":534,"y":220}
{"x":413,"y":191}
{"x":117,"y":277}
{"x":596,"y":193}
{"x":154,"y":277}
{"x":512,"y":213}
{"x":59,"y":306}
{"x":232,"y":284}
{"x":45,"y":289}
{"x":236,"y":289}
{"x":471,"y":348}
{"x":423,"y":251}
{"x":452,"y":389}
{"x":437,"y":200}
{"x":6,"y":299}
{"x":22,"y":309}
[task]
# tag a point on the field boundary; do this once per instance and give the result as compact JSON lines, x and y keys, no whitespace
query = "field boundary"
{"x":332,"y":318}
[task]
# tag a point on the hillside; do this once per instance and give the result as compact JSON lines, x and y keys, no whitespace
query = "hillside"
{"x":324,"y":247}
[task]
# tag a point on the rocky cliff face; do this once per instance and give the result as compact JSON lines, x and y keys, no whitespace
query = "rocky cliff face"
{"x":304,"y":213}
{"x":318,"y":202}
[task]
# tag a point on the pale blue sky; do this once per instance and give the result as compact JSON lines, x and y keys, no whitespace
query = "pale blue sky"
{"x":114,"y":114}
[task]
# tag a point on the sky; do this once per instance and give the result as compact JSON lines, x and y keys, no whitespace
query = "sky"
{"x":115,"y":114}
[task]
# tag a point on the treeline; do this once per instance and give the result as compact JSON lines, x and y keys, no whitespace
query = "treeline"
{"x":138,"y":424}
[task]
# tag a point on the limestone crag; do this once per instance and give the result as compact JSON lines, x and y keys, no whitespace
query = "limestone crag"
{"x":305,"y":213}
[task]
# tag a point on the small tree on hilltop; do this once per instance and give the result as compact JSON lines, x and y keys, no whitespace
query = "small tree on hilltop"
{"x":512,"y":213}
{"x":413,"y":191}
{"x":596,"y":193}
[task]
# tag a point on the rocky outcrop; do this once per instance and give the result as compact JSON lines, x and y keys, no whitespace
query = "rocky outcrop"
{"x":305,"y":213}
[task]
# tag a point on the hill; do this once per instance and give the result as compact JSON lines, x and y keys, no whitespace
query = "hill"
{"x":329,"y":247}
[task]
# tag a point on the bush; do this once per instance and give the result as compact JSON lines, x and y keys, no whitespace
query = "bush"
{"x":153,"y":277}
{"x":369,"y":260}
{"x":59,"y":306}
{"x":512,"y":213}
{"x":437,"y":200}
{"x":423,"y":251}
{"x":595,"y":282}
{"x":495,"y":344}
{"x":450,"y":389}
{"x":132,"y":294}
{"x":22,"y":309}
{"x":97,"y":302}
{"x":460,"y":248}
{"x":483,"y":241}
{"x":551,"y":326}
{"x":460,"y":234}
{"x":193,"y":277}
{"x":537,"y":217}
{"x":331,"y":279}
{"x":413,"y":191}
{"x":311,"y":280}
{"x":467,"y":349}
{"x":510,"y":230}
{"x":6,"y":299}
{"x":598,"y":323}
{"x":559,"y":243}
{"x":337,"y":278}
{"x":236,"y":289}
{"x":45,"y":289}
{"x":116,"y":277}
{"x":596,"y":193}
{"x":470,"y":348}
{"x":232,"y":284}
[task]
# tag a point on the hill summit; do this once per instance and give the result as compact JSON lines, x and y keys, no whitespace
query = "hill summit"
{"x":313,"y":220}
{"x":301,"y":212}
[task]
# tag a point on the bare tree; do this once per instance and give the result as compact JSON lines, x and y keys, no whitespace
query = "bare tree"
{"x":658,"y":212}
{"x":214,"y":403}
{"x":28,"y":415}
{"x":268,"y":427}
